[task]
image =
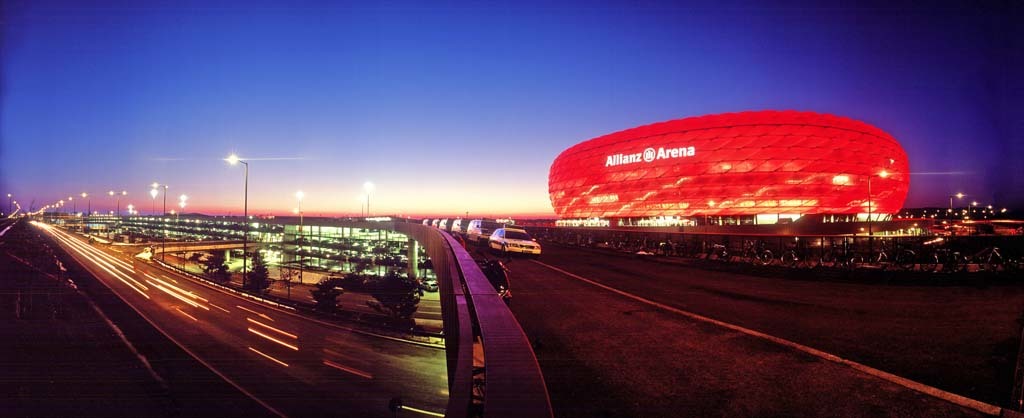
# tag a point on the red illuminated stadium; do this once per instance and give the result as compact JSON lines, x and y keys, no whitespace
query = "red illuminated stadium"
{"x":781,"y":164}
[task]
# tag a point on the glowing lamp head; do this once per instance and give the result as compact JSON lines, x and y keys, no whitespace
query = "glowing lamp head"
{"x":299,"y":195}
{"x":232,"y":159}
{"x":124,"y":193}
{"x":110,"y":193}
{"x":883,"y":174}
{"x":368,"y":186}
{"x":959,"y":195}
{"x":153,"y":193}
{"x":183,"y":198}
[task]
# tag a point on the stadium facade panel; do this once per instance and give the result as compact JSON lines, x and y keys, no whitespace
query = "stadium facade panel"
{"x":746,"y":163}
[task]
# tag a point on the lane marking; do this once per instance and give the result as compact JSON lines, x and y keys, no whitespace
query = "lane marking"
{"x":287,"y":334}
{"x":254,"y":313}
{"x":218,"y":307}
{"x":424,"y":412}
{"x":183,"y":313}
{"x":347,"y":369}
{"x":268,"y":357}
{"x":271,"y":338}
{"x":963,"y":401}
{"x":177,"y":296}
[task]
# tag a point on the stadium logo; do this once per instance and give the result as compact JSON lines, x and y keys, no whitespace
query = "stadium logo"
{"x":649,"y":155}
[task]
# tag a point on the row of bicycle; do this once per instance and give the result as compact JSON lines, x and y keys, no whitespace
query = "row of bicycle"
{"x":946,"y":260}
{"x":838,"y":256}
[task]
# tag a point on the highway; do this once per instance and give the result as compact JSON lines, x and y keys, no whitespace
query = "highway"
{"x":292,"y":365}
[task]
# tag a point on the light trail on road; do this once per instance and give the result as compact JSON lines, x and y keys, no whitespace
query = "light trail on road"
{"x":225,"y":343}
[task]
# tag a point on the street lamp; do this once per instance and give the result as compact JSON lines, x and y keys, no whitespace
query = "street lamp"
{"x":89,"y":207}
{"x":298,"y":248}
{"x":233,"y":159}
{"x":368,"y":187}
{"x":181,"y":204}
{"x":958,"y":196}
{"x":882,"y":174}
{"x":152,"y":193}
{"x":118,"y":195}
{"x":10,"y":203}
{"x":163,"y":243}
{"x":131,"y":209}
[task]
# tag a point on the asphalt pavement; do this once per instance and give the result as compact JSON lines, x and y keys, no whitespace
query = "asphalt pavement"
{"x":604,"y":354}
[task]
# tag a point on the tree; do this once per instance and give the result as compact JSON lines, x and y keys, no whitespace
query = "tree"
{"x":259,"y":276}
{"x":215,"y":266}
{"x":397,"y":295}
{"x":326,"y":294}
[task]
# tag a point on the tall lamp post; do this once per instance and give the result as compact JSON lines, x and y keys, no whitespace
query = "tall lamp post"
{"x":85,"y":219}
{"x":89,"y":207}
{"x":233,"y":159}
{"x":10,"y":203}
{"x":118,"y":195}
{"x":74,"y":205}
{"x":882,"y":174}
{"x":298,"y":248}
{"x":958,"y":196}
{"x":163,"y":243}
{"x":368,"y":187}
{"x":152,"y":193}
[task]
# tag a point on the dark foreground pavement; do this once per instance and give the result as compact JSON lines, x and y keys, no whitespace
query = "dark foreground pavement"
{"x":604,"y":355}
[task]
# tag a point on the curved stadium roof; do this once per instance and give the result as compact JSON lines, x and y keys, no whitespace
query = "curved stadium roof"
{"x":758,"y":162}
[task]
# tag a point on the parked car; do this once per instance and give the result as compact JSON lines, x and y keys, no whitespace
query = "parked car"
{"x":443,"y":224}
{"x":513,"y":240}
{"x":479,"y":230}
{"x":457,"y":226}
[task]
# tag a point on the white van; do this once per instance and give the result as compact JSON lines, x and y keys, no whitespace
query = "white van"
{"x":479,"y":230}
{"x":457,"y":226}
{"x":443,"y":224}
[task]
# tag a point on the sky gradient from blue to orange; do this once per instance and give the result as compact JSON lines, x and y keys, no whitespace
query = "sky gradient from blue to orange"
{"x":463,"y":107}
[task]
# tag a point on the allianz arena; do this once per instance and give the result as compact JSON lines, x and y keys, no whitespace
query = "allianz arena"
{"x":750,"y":167}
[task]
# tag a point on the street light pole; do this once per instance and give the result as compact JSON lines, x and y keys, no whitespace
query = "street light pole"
{"x":368,"y":186}
{"x":163,"y":244}
{"x":958,"y":196}
{"x":233,"y":159}
{"x":152,"y":193}
{"x":10,"y":203}
{"x":298,"y":248}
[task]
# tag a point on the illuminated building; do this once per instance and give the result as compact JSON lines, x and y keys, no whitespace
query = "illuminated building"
{"x":758,"y":167}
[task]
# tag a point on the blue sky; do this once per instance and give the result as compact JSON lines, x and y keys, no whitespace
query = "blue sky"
{"x":455,"y":107}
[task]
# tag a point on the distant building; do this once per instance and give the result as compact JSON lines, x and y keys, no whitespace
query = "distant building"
{"x":747,"y":168}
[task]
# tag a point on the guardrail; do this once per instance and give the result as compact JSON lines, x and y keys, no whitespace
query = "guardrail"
{"x":510,"y":383}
